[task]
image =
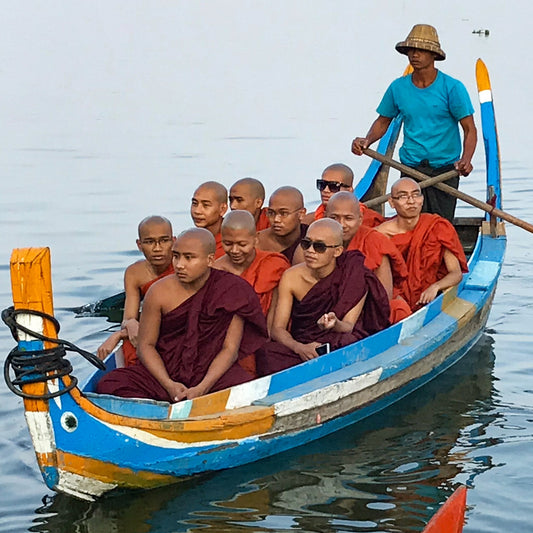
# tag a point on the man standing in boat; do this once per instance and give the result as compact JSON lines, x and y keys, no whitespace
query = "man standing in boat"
{"x":432,"y":105}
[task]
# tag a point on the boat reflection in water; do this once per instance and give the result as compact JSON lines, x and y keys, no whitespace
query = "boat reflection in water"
{"x":388,"y":473}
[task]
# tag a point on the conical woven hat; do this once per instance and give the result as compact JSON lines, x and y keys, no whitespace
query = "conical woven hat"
{"x":424,"y":37}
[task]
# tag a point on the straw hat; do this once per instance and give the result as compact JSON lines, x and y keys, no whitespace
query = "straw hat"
{"x":424,"y":37}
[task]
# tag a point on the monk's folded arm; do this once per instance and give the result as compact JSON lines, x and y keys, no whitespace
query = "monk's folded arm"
{"x":384,"y":273}
{"x":225,"y":358}
{"x":350,"y":318}
{"x":148,"y":334}
{"x":453,"y":267}
{"x":282,"y":313}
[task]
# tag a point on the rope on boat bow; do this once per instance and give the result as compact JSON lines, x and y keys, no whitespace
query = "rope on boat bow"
{"x":39,"y":366}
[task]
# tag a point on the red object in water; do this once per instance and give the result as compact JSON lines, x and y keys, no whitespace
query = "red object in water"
{"x":450,"y":517}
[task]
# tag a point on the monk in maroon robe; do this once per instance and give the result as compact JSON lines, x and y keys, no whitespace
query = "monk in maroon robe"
{"x":194,"y":327}
{"x":331,"y":298}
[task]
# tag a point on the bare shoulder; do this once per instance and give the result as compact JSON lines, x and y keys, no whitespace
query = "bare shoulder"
{"x":308,"y":218}
{"x":222,"y":263}
{"x":388,"y":228}
{"x":137,"y":273}
{"x":264,"y":238}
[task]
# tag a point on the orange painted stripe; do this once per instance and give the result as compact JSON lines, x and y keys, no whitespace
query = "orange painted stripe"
{"x":234,"y":423}
{"x":210,"y":403}
{"x":482,"y":76}
{"x":109,"y":472}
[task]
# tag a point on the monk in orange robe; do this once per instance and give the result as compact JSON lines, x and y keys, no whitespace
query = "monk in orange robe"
{"x":155,"y":242}
{"x":248,"y":194}
{"x":194,"y":327}
{"x":381,"y":255}
{"x":285,"y":212}
{"x":208,"y":206}
{"x":330,"y":298}
{"x":260,"y":268}
{"x":335,"y":178}
{"x":429,"y":244}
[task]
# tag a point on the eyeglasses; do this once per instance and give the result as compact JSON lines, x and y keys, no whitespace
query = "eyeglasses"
{"x":333,"y":186}
{"x":282,"y":213}
{"x":318,"y":246}
{"x":158,"y":242}
{"x":403,"y":197}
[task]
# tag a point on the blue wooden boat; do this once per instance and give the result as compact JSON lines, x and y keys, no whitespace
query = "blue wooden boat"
{"x":89,"y":444}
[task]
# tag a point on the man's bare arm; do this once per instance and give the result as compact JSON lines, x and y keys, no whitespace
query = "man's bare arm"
{"x":130,"y":318}
{"x":223,"y":360}
{"x":146,"y":351}
{"x":464,"y":165}
{"x":453,"y":277}
{"x":376,"y":131}
{"x":282,"y":316}
{"x":346,"y":324}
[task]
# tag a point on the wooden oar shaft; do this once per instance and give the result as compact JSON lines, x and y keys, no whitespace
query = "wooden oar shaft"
{"x":426,"y":183}
{"x":450,"y":190}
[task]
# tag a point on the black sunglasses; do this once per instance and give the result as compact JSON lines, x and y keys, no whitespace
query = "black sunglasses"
{"x":333,"y":186}
{"x":318,"y":246}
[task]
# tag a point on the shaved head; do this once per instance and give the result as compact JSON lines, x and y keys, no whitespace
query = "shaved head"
{"x":289,"y":193}
{"x":403,"y":181}
{"x":220,"y":192}
{"x":346,"y":200}
{"x":255,"y":187}
{"x":239,"y":220}
{"x":327,"y":226}
{"x":200,"y":235}
{"x":153,"y":220}
{"x":343,"y":172}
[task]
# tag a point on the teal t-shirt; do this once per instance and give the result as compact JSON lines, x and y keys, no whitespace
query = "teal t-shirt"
{"x":430,"y":118}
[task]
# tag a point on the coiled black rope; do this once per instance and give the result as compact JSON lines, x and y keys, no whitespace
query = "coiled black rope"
{"x":39,"y":366}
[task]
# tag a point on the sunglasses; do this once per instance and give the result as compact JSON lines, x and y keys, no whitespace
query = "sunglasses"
{"x":318,"y":246}
{"x":333,"y":186}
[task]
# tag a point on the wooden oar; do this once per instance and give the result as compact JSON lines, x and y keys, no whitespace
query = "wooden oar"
{"x":484,"y":206}
{"x":378,"y":200}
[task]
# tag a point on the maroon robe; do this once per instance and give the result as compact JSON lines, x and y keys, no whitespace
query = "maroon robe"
{"x":289,"y":252}
{"x":192,"y":335}
{"x":339,"y":292}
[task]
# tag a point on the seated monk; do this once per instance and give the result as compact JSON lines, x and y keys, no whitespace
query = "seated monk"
{"x":331,"y":298}
{"x":335,"y":178}
{"x":261,"y":269}
{"x":193,"y":328}
{"x":208,"y":205}
{"x":285,"y":212}
{"x":429,"y":244}
{"x":155,"y":242}
{"x":381,"y":255}
{"x":249,"y":194}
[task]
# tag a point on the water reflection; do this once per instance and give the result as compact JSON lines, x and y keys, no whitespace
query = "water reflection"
{"x":389,"y":473}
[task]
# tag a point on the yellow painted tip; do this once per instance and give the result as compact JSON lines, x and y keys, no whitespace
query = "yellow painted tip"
{"x":482,"y":76}
{"x":408,"y":70}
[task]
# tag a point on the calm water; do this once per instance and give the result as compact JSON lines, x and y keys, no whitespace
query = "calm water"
{"x":115,"y":110}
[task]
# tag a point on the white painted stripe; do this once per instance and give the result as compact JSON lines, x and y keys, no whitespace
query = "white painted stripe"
{"x":35,"y":323}
{"x":327,"y":395}
{"x":180,"y":409}
{"x":53,"y":387}
{"x":153,"y":440}
{"x":245,"y":394}
{"x":413,"y":324}
{"x":485,"y":96}
{"x":41,"y":431}
{"x":82,"y":487}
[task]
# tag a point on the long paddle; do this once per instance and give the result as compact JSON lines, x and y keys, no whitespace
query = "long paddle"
{"x":378,"y":200}
{"x":450,"y":190}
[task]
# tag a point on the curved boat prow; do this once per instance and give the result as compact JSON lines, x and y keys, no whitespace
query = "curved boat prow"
{"x":450,"y":517}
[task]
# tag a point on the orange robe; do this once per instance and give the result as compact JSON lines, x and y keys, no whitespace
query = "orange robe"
{"x":263,"y":222}
{"x":129,"y":351}
{"x":423,"y":250}
{"x":371,"y":218}
{"x":263,"y":275}
{"x":374,"y":245}
{"x":219,"y":252}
